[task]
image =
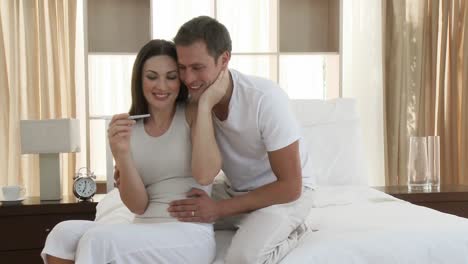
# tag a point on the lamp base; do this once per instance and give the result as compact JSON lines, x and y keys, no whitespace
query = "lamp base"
{"x":50,"y":180}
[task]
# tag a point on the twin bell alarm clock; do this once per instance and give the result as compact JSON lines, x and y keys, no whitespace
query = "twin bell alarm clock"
{"x":84,"y":184}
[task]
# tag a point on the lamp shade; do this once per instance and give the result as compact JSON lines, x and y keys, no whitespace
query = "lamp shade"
{"x":50,"y":136}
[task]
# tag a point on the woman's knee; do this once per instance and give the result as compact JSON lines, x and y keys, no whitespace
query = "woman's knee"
{"x":62,"y":230}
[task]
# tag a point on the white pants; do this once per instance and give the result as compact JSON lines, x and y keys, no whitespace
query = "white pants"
{"x":266,"y":235}
{"x":91,"y":242}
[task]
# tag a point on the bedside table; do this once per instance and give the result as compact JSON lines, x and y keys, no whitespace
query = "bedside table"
{"x":25,"y":226}
{"x":451,"y":199}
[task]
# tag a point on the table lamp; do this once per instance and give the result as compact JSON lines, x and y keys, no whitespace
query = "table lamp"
{"x":49,"y":138}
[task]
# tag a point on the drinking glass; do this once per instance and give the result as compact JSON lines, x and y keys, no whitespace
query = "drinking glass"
{"x":418,"y":169}
{"x":433,"y":153}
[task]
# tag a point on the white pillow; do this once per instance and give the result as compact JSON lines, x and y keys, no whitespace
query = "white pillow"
{"x":332,"y":133}
{"x":111,"y":209}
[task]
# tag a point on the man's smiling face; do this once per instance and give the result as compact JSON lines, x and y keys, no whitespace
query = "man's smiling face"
{"x":198,"y":69}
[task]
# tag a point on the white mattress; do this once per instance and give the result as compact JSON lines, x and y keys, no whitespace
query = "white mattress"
{"x":362,"y":225}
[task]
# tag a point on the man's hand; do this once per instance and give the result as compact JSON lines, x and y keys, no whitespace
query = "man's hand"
{"x":198,"y":208}
{"x":215,"y":92}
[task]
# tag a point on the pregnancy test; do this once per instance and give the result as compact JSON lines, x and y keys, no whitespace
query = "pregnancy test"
{"x":133,"y":117}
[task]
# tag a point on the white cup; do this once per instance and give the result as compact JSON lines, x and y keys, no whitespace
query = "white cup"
{"x":12,"y":193}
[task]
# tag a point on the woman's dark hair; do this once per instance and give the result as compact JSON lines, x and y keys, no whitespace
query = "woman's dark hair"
{"x":207,"y":29}
{"x":153,"y":48}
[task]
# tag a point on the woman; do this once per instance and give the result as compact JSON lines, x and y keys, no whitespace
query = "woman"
{"x":153,"y":158}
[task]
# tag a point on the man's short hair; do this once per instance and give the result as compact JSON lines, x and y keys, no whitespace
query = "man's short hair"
{"x":207,"y":29}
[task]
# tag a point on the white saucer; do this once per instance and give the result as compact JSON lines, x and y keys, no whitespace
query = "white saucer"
{"x":17,"y":201}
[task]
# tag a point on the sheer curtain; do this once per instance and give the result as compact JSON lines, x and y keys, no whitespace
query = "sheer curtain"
{"x":426,"y":86}
{"x":37,"y":70}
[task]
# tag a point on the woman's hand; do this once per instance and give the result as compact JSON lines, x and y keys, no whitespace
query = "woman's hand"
{"x":119,"y":132}
{"x":215,"y":92}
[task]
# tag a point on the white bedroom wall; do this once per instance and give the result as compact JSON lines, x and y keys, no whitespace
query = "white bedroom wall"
{"x":362,"y":76}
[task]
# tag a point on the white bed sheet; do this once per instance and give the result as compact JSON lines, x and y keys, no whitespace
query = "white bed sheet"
{"x":360,"y":225}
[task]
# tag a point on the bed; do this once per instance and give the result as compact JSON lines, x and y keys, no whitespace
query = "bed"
{"x":350,"y":221}
{"x":358,"y":225}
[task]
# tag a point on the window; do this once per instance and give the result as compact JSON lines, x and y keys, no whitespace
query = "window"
{"x":255,"y":28}
{"x":109,"y":93}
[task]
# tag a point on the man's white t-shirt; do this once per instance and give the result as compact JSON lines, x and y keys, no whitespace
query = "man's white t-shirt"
{"x":260,"y":120}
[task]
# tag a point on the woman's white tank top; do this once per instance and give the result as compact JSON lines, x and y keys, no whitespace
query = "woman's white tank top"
{"x":164,"y":164}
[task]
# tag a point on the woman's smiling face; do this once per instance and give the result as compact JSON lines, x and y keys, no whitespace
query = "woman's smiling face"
{"x":161,"y":82}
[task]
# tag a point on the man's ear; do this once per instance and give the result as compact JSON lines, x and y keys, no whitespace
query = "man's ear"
{"x":225,"y":57}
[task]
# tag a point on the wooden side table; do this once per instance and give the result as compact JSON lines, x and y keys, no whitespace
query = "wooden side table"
{"x":25,"y":226}
{"x":451,"y":199}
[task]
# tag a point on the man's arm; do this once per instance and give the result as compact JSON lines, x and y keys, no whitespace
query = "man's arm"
{"x":285,"y":164}
{"x":206,"y":157}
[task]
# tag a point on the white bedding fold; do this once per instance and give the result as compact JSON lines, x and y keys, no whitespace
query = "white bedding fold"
{"x":344,"y":195}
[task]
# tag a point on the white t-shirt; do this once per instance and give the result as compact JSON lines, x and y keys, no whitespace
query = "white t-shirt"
{"x":260,"y":120}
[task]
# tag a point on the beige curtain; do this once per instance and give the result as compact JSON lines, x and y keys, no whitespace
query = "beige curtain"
{"x":426,"y":86}
{"x":37,"y":60}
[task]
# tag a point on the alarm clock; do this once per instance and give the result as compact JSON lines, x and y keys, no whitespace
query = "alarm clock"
{"x":84,"y":184}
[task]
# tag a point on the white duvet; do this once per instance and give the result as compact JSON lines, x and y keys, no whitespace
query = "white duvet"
{"x":360,"y":225}
{"x":356,"y":225}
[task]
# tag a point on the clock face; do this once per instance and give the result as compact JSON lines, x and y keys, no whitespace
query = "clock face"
{"x":84,"y":187}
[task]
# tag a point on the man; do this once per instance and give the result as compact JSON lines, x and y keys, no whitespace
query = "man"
{"x":268,"y":194}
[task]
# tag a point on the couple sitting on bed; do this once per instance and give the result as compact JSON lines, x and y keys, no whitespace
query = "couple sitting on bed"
{"x":166,"y":163}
